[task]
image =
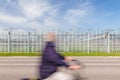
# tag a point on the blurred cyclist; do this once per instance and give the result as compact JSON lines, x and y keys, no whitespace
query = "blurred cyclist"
{"x":51,"y":60}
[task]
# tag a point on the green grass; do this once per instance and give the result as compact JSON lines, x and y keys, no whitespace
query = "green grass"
{"x":65,"y":54}
{"x":20,"y":54}
{"x":90,"y":54}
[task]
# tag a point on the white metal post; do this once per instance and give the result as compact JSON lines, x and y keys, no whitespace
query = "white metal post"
{"x":72,"y":41}
{"x":108,"y":42}
{"x":9,"y":44}
{"x":28,"y":41}
{"x":88,"y":42}
{"x":60,"y":41}
{"x":68,"y":42}
{"x":100,"y":42}
{"x":64,"y":44}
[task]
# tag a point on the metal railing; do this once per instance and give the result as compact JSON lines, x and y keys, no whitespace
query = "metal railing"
{"x":72,"y":41}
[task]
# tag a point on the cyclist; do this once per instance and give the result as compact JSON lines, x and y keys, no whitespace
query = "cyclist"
{"x":51,"y":60}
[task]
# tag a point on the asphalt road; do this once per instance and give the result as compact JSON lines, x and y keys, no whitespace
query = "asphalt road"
{"x":95,"y":68}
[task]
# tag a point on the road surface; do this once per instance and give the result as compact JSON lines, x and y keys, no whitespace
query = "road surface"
{"x":95,"y":68}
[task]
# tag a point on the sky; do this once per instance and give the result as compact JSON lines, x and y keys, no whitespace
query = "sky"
{"x":59,"y":14}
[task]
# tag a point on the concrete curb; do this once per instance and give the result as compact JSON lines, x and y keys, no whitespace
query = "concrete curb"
{"x":69,"y":56}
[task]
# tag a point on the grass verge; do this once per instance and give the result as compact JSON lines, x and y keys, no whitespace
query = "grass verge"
{"x":90,"y":54}
{"x":20,"y":54}
{"x":65,"y":54}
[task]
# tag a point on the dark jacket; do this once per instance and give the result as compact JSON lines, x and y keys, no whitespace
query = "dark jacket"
{"x":50,"y":60}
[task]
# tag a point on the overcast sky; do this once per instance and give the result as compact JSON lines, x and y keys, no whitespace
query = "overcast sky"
{"x":59,"y":14}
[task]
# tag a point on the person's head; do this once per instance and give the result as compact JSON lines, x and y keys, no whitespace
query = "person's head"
{"x":50,"y":37}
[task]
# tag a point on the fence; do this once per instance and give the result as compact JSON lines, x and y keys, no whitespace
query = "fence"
{"x":72,"y":41}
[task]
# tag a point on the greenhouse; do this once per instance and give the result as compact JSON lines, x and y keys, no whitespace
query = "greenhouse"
{"x":19,"y":40}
